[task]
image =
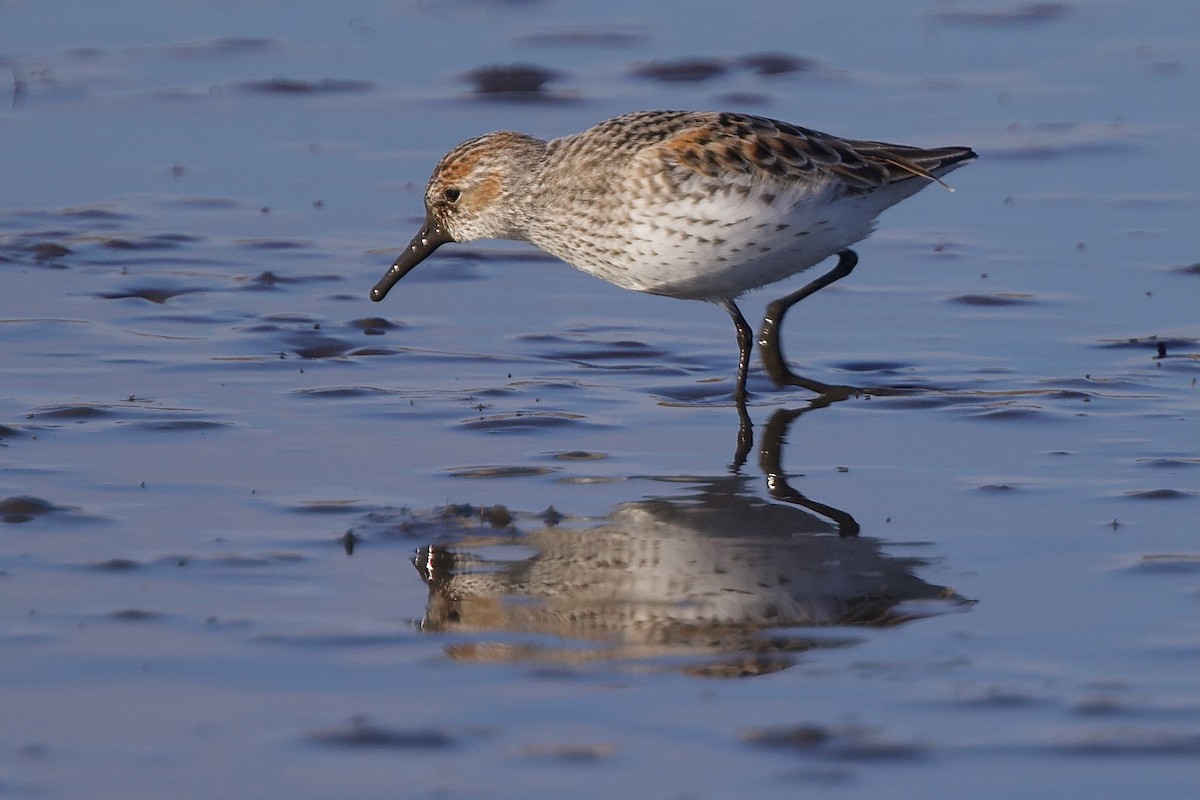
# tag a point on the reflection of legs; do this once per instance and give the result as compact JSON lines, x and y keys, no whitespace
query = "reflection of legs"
{"x":768,"y":336}
{"x":745,"y":340}
{"x":770,"y":459}
{"x":745,"y":438}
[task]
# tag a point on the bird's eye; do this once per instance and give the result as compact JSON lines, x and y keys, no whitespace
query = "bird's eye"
{"x":451,"y":195}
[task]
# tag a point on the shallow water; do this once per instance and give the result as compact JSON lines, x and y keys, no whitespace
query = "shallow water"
{"x":502,"y":535}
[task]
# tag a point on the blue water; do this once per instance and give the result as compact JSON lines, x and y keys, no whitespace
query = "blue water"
{"x":198,"y":403}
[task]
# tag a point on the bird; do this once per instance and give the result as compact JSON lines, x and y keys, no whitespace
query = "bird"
{"x":699,"y":205}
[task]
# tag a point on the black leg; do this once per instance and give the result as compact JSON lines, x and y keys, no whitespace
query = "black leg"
{"x":745,"y":340}
{"x":768,"y":336}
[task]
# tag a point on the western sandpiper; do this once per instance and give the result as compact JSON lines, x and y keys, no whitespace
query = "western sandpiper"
{"x":695,"y":205}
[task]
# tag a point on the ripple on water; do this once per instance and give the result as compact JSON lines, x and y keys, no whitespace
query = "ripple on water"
{"x":344,"y":392}
{"x":293,"y":86}
{"x":272,"y":279}
{"x":375,"y":351}
{"x":104,"y":214}
{"x":883,"y":367}
{"x":1168,"y":462}
{"x":840,"y":743}
{"x":268,"y":280}
{"x":24,"y":508}
{"x":311,"y":344}
{"x":20,"y":250}
{"x":135,"y":414}
{"x":585,"y":37}
{"x":770,"y":64}
{"x":587,"y":350}
{"x":515,"y":83}
{"x":568,"y":753}
{"x":374,"y":326}
{"x":116,"y":565}
{"x":274,"y":244}
{"x":1006,"y":15}
{"x":999,"y":487}
{"x":522,"y":421}
{"x":996,"y":299}
{"x":340,"y":506}
{"x":310,"y":339}
{"x":326,"y":641}
{"x":1166,"y":563}
{"x":206,"y":203}
{"x":1158,"y":494}
{"x":916,"y":401}
{"x":71,"y":413}
{"x":180,"y":425}
{"x":152,"y":242}
{"x":1129,"y":741}
{"x":135,"y":615}
{"x":89,"y":218}
{"x":363,"y":734}
{"x":702,"y":393}
{"x":682,"y":70}
{"x":578,"y":455}
{"x":1155,"y":344}
{"x":1009,"y":412}
{"x":221,"y":46}
{"x":999,"y":697}
{"x":502,"y":471}
{"x":158,"y":295}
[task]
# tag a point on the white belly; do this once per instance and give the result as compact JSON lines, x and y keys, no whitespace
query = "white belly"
{"x":722,"y":244}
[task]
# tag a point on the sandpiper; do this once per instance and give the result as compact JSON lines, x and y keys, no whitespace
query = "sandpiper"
{"x":695,"y":205}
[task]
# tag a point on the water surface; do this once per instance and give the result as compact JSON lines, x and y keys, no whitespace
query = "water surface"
{"x":504,"y":534}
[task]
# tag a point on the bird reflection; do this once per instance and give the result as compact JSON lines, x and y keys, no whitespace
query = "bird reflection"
{"x":721,"y":578}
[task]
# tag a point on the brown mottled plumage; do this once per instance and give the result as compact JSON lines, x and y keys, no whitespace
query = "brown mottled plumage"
{"x":696,"y":205}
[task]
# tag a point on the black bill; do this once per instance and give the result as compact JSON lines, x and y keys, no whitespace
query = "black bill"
{"x":430,"y":238}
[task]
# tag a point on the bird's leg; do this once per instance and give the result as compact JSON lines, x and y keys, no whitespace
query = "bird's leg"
{"x":768,"y":335}
{"x":745,"y":340}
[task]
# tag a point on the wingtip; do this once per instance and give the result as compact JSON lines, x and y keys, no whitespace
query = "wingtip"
{"x":953,"y":158}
